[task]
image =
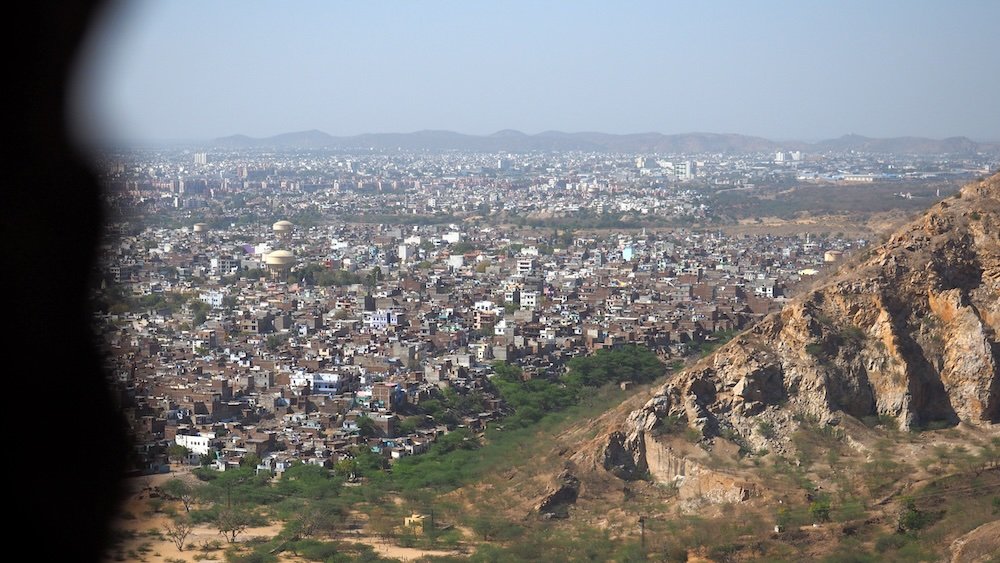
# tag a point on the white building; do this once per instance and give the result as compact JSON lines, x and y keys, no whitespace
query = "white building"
{"x":525,"y":266}
{"x":684,"y":170}
{"x":213,"y":298}
{"x":199,"y":444}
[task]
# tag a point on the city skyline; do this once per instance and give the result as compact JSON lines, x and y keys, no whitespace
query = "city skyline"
{"x":168,"y":71}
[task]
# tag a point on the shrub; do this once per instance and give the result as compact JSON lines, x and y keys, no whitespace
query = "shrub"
{"x":314,"y":550}
{"x":911,"y":518}
{"x":853,"y":333}
{"x":820,"y":510}
{"x":890,"y":541}
{"x":667,"y":425}
{"x":766,"y":429}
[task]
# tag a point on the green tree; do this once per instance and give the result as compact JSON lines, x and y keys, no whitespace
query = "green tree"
{"x":366,"y":427}
{"x":346,"y":468}
{"x":304,"y":480}
{"x":253,"y":273}
{"x":485,"y":527}
{"x":274,"y":342}
{"x":182,"y":491}
{"x":462,"y":247}
{"x":250,"y":460}
{"x":199,"y":311}
{"x":629,"y":363}
{"x":178,"y":528}
{"x":820,"y":510}
{"x":374,"y":277}
{"x":408,"y":426}
{"x":311,"y":521}
{"x":506,"y":371}
{"x":911,"y":518}
{"x":231,"y":522}
{"x":177,"y":453}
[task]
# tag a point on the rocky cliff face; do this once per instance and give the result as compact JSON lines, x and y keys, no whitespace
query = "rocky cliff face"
{"x":908,"y":331}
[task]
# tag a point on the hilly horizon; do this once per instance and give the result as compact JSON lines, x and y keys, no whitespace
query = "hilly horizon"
{"x":517,"y":141}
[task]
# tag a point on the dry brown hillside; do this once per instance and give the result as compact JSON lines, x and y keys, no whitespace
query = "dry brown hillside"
{"x":907,"y":332}
{"x":876,"y":392}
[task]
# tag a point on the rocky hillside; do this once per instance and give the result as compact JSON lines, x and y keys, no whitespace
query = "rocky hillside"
{"x":905,"y":334}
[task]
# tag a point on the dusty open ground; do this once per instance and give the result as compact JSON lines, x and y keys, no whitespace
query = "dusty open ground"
{"x":147,"y":542}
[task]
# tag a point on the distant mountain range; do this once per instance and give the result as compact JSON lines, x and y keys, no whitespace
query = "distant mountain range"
{"x":516,"y":141}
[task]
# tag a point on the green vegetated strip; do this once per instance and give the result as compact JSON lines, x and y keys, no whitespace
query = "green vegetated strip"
{"x":312,"y":500}
{"x":539,"y":406}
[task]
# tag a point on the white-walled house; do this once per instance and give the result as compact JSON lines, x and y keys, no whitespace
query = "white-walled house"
{"x":197,"y":443}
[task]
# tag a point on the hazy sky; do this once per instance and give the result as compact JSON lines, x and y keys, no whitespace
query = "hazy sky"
{"x":184,"y":69}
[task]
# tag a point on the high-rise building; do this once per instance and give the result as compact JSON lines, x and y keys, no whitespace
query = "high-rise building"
{"x":642,"y":162}
{"x":200,"y":158}
{"x":684,"y":170}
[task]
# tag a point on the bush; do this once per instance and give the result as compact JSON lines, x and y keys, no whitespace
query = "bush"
{"x":766,"y":429}
{"x":212,"y":545}
{"x":314,"y":550}
{"x":815,"y":349}
{"x":890,"y":542}
{"x":912,"y":519}
{"x":668,"y":425}
{"x":820,"y":510}
{"x":853,"y":333}
{"x":736,"y":438}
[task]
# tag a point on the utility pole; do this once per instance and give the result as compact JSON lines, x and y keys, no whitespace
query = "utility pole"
{"x":642,"y":533}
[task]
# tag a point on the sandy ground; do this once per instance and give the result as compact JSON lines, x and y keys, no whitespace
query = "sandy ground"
{"x":139,"y":518}
{"x":398,"y":552}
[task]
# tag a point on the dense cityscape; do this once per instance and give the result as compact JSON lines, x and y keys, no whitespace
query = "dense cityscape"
{"x":510,"y":282}
{"x":264,"y":308}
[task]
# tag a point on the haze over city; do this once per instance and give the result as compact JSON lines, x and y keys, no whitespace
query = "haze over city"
{"x":558,"y":280}
{"x":157,"y":71}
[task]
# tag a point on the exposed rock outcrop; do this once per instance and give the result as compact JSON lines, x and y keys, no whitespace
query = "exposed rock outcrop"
{"x":556,"y":502}
{"x":908,"y":331}
{"x":978,"y":546}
